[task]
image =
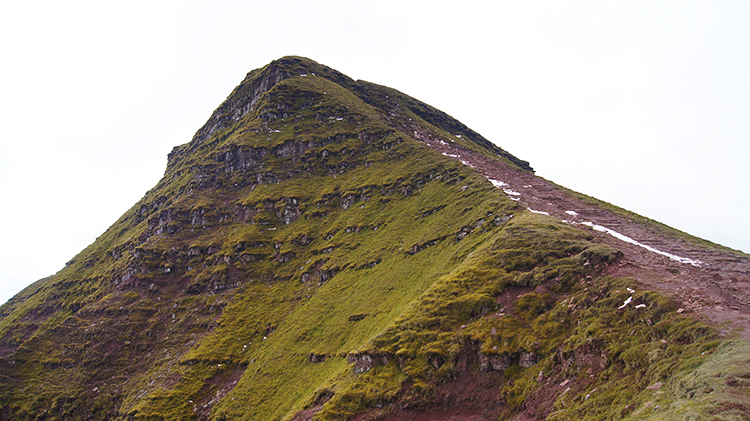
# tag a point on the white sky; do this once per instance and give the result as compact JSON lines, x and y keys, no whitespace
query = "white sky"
{"x":645,"y":104}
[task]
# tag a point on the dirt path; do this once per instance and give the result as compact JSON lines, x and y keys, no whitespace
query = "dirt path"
{"x":713,"y":283}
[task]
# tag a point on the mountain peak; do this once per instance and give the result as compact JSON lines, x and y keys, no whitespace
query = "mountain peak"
{"x":335,"y":249}
{"x":245,"y":98}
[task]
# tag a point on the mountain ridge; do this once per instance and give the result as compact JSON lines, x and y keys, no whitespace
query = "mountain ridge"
{"x":335,"y":249}
{"x":244,"y":98}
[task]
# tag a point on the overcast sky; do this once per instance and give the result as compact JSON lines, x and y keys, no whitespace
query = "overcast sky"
{"x":644,"y":104}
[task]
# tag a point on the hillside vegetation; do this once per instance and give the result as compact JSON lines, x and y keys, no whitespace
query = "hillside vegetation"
{"x":307,"y":256}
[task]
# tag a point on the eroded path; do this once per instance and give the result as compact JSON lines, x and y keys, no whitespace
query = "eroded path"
{"x":713,"y":283}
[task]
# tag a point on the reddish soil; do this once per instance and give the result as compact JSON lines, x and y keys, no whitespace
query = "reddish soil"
{"x":717,"y":289}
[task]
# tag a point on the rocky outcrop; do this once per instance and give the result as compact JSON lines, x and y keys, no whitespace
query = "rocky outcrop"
{"x":241,"y":158}
{"x":416,"y":248}
{"x":243,"y":100}
{"x":528,"y":359}
{"x":318,"y":358}
{"x":494,"y":362}
{"x":364,"y":361}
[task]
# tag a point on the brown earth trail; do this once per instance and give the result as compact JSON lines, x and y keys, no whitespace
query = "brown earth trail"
{"x":711,"y":282}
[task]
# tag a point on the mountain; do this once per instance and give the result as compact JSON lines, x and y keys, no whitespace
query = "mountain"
{"x":331,"y":249}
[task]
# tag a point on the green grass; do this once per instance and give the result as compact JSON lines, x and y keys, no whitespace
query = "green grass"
{"x":628,"y":348}
{"x":336,"y":237}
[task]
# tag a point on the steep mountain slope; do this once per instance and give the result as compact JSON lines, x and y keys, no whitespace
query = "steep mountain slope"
{"x":333,"y":249}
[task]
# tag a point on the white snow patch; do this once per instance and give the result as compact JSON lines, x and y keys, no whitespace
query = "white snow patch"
{"x":451,"y":155}
{"x":539,"y":212}
{"x":528,"y":186}
{"x":501,"y":185}
{"x":466,"y":163}
{"x":514,"y":198}
{"x":627,"y":239}
{"x":442,"y":142}
{"x":640,"y":306}
{"x":275,"y":131}
{"x":458,"y":136}
{"x":303,"y":74}
{"x":497,"y":183}
{"x":630,"y":290}
{"x":573,"y":213}
{"x":626,"y":302}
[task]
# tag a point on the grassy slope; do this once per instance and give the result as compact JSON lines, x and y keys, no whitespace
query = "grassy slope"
{"x":184,"y":308}
{"x":577,"y":319}
{"x":111,"y":305}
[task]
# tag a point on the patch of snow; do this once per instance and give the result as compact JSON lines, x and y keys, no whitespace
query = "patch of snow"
{"x":275,"y":131}
{"x":451,"y":155}
{"x":640,"y":306}
{"x":528,"y":186}
{"x":458,"y":136}
{"x":496,"y":183}
{"x":630,"y":290}
{"x":627,"y":239}
{"x":442,"y":142}
{"x":466,"y":163}
{"x":303,"y":74}
{"x":539,"y":212}
{"x":573,"y":213}
{"x":501,"y":185}
{"x":626,"y":302}
{"x":514,"y":198}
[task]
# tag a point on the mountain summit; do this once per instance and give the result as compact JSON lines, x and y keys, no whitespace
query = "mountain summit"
{"x":331,"y":249}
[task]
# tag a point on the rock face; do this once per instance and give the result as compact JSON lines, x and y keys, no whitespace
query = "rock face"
{"x":336,"y":246}
{"x":494,"y":362}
